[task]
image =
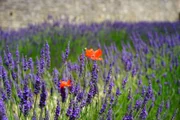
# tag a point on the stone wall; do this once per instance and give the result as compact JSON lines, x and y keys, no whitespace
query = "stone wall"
{"x":18,"y":13}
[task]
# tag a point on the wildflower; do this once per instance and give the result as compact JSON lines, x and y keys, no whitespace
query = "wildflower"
{"x":124,"y":82}
{"x":25,"y":63}
{"x":109,"y":114}
{"x":90,"y":93}
{"x":94,"y":55}
{"x":103,"y":108}
{"x":80,"y":96}
{"x":76,"y":111}
{"x":66,"y":53}
{"x":25,"y":103}
{"x":70,"y":108}
{"x":37,"y":85}
{"x":138,"y":104}
{"x":57,"y":112}
{"x":118,"y":92}
{"x":63,"y":94}
{"x":83,"y":102}
{"x":30,"y":64}
{"x":128,"y":117}
{"x":81,"y":68}
{"x":47,"y":55}
{"x":65,"y":84}
{"x":17,"y":60}
{"x":143,"y":114}
{"x":42,"y":61}
{"x":159,"y":110}
{"x":2,"y":111}
{"x":43,"y":96}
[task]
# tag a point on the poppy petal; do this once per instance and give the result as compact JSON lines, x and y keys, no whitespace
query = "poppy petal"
{"x":98,"y":53}
{"x":89,"y":52}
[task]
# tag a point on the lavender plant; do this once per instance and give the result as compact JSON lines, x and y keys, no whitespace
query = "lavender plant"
{"x":137,"y":80}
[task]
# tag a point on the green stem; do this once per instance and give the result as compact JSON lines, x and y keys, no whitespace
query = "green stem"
{"x":40,"y":117}
{"x":34,"y":105}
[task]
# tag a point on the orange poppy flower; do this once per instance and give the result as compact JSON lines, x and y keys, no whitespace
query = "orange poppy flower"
{"x":94,"y":55}
{"x":65,"y":83}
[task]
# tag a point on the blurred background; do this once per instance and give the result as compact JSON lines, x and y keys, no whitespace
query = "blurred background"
{"x":19,"y":13}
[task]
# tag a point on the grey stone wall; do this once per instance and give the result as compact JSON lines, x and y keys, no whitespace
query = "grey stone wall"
{"x":18,"y":13}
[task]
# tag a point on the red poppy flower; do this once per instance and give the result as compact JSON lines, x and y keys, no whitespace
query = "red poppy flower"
{"x":65,"y":83}
{"x":94,"y":55}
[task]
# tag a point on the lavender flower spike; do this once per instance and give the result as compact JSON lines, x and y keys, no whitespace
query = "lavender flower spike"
{"x":2,"y":111}
{"x":57,"y":112}
{"x":43,"y":96}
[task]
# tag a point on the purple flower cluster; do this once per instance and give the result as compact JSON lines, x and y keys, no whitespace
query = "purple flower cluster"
{"x":127,"y":84}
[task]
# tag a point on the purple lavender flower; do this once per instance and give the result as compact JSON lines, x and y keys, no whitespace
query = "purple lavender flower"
{"x":43,"y":96}
{"x":14,"y":75}
{"x":139,"y":83}
{"x":57,"y":112}
{"x":134,"y":71}
{"x":149,"y":93}
{"x":42,"y":61}
{"x":124,"y":82}
{"x":109,"y":114}
{"x":25,"y":104}
{"x":31,"y":64}
{"x":6,"y":61}
{"x":47,"y":55}
{"x":77,"y":89}
{"x":67,"y":51}
{"x":128,"y":117}
{"x":90,"y":94}
{"x":17,"y":60}
{"x":111,"y":85}
{"x":118,"y":92}
{"x":63,"y":94}
{"x":163,"y":63}
{"x":83,"y":103}
{"x":63,"y":57}
{"x":8,"y":88}
{"x":4,"y":74}
{"x":75,"y":112}
{"x":3,"y":96}
{"x":138,"y":104}
{"x":2,"y":111}
{"x":1,"y":62}
{"x":128,"y":65}
{"x":55,"y":77}
{"x":66,"y":54}
{"x":37,"y":85}
{"x":70,"y":108}
{"x":82,"y":64}
{"x":103,"y":108}
{"x":80,"y":96}
{"x":94,"y":74}
{"x":109,"y":73}
{"x":112,"y":100}
{"x":11,"y":61}
{"x":24,"y":63}
{"x":143,"y":114}
{"x":159,"y":110}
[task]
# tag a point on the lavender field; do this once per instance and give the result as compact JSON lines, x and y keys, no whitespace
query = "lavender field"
{"x":98,"y":71}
